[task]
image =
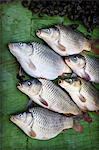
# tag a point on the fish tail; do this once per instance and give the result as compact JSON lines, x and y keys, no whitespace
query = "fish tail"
{"x":76,"y":124}
{"x":97,"y":112}
{"x":95,"y":46}
{"x":86,"y":117}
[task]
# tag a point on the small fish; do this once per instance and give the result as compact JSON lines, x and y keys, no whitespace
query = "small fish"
{"x":43,"y":124}
{"x":83,"y":93}
{"x":48,"y":95}
{"x":66,"y":41}
{"x":38,"y":60}
{"x":84,"y":66}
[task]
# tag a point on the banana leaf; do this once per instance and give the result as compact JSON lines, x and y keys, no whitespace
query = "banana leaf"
{"x":19,"y":24}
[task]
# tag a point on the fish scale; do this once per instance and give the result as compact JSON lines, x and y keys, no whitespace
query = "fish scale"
{"x":92,"y":67}
{"x":72,"y":37}
{"x":64,"y":40}
{"x":85,"y":66}
{"x":74,"y":41}
{"x":48,"y":59}
{"x":87,"y":88}
{"x":46,"y":117}
{"x":39,"y":60}
{"x":47,"y":52}
{"x":48,"y":95}
{"x":45,"y":123}
{"x":83,"y":93}
{"x":52,"y":93}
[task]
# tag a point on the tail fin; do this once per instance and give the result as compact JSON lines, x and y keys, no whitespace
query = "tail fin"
{"x":97,"y":112}
{"x":76,"y":123}
{"x":86,"y":117}
{"x":77,"y":127}
{"x":94,"y":47}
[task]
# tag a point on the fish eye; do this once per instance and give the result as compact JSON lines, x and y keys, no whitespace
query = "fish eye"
{"x":74,"y":59}
{"x":69,"y":81}
{"x":59,"y":81}
{"x":20,"y":44}
{"x":47,"y":30}
{"x":20,"y":115}
{"x":29,"y":83}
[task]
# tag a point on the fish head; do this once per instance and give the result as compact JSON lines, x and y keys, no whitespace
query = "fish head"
{"x":75,"y":62}
{"x":30,"y":87}
{"x":70,"y":84}
{"x":23,"y":120}
{"x":20,"y":50}
{"x":49,"y":35}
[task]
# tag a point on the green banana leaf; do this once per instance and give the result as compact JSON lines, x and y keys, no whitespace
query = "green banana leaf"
{"x":19,"y":24}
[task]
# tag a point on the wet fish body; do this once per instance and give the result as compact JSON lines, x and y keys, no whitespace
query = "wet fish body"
{"x":85,"y":66}
{"x":83,"y":93}
{"x":64,"y":40}
{"x":50,"y":96}
{"x":42,"y":124}
{"x":38,"y":60}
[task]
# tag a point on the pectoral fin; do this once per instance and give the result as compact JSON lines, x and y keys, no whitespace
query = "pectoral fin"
{"x":61,"y":47}
{"x":87,"y":77}
{"x":82,"y":98}
{"x":64,"y":130}
{"x":31,"y":65}
{"x":43,"y":101}
{"x":32,"y":134}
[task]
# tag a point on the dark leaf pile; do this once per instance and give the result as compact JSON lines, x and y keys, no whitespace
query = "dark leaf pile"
{"x":82,"y":10}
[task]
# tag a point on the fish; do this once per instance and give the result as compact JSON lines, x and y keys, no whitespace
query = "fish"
{"x":84,"y":66}
{"x":42,"y":124}
{"x":66,"y":40}
{"x":83,"y":93}
{"x":38,"y":60}
{"x":48,"y":95}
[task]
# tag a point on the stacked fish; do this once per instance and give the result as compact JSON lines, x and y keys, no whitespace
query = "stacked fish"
{"x":59,"y":109}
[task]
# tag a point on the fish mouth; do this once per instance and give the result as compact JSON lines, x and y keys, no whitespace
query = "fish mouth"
{"x":38,"y":33}
{"x":67,"y":60}
{"x":13,"y":119}
{"x":10,"y":45}
{"x":60,"y":82}
{"x":19,"y":86}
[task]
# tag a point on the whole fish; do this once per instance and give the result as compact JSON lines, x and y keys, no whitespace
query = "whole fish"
{"x":66,"y":41}
{"x":38,"y":60}
{"x":83,"y":93}
{"x":43,"y":124}
{"x":48,"y":95}
{"x":85,"y":66}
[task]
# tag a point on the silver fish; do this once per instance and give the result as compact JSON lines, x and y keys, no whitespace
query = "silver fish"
{"x":48,"y":95}
{"x":64,"y":40}
{"x":83,"y":93}
{"x":38,"y":60}
{"x":43,"y":124}
{"x":85,"y":66}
